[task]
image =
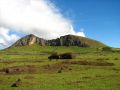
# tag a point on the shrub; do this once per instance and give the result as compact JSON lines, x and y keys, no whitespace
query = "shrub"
{"x":106,"y":49}
{"x":60,"y":70}
{"x":115,"y":58}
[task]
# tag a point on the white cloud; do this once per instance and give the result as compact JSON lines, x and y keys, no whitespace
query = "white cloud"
{"x":5,"y":38}
{"x":78,"y":33}
{"x":39,"y":17}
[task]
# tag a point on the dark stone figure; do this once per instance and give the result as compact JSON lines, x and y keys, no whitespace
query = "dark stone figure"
{"x":61,"y":56}
{"x":54,"y":56}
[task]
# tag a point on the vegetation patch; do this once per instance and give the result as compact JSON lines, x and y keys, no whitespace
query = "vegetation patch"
{"x":17,"y":83}
{"x":101,"y":59}
{"x":86,"y":77}
{"x":108,"y":49}
{"x":116,"y":59}
{"x":28,"y":77}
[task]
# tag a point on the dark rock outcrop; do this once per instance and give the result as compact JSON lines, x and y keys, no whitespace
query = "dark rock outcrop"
{"x":68,"y":40}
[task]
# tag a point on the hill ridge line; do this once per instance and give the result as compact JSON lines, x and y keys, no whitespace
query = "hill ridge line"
{"x":67,"y":40}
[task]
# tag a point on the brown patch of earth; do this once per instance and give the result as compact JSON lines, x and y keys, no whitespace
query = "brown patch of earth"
{"x":76,"y":81}
{"x":50,"y":68}
{"x":57,"y":67}
{"x":11,"y":62}
{"x":90,"y":63}
{"x":1,"y":81}
{"x":19,"y":69}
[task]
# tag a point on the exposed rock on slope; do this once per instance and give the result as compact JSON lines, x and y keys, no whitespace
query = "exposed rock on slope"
{"x":30,"y":40}
{"x":67,"y":40}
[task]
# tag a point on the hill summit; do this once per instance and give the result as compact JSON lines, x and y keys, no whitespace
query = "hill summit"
{"x":67,"y":40}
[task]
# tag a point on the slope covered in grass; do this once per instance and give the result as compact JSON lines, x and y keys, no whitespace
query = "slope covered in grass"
{"x":36,"y":49}
{"x":92,"y":69}
{"x":36,"y":72}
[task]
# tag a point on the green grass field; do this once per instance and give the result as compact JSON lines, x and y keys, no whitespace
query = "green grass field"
{"x":45,"y":75}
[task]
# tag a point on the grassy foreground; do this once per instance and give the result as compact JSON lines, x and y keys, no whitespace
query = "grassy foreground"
{"x":42,"y":74}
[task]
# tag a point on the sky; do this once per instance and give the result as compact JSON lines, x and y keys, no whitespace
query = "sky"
{"x":100,"y":19}
{"x":96,"y":19}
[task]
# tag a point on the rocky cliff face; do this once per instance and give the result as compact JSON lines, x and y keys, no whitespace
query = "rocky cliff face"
{"x":30,"y":40}
{"x":68,"y":40}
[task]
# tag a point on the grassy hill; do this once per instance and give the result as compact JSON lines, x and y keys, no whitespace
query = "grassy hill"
{"x":49,"y":49}
{"x":37,"y":52}
{"x":30,"y":69}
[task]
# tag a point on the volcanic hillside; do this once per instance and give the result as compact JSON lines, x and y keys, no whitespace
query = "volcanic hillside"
{"x":67,"y":40}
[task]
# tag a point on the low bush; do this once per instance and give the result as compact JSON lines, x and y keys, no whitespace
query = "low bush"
{"x":107,"y":49}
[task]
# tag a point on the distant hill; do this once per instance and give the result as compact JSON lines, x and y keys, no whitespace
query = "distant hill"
{"x":67,"y":40}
